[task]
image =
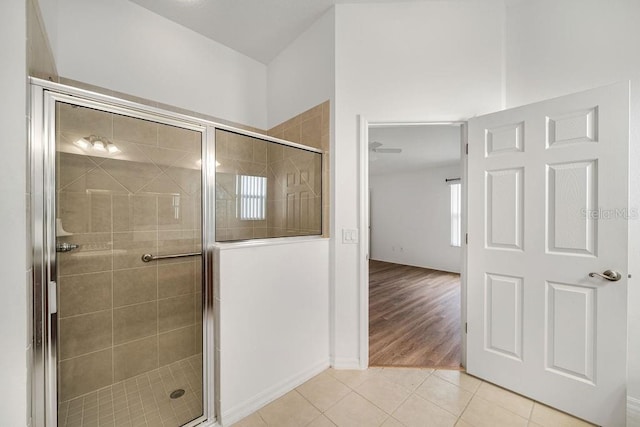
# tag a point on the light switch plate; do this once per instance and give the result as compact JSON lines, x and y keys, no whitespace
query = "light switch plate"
{"x":349,"y":236}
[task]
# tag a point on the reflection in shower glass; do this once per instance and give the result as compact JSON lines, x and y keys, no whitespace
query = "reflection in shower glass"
{"x":265,"y":189}
{"x":130,"y":332}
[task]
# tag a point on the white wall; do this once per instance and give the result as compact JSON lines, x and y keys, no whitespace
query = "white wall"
{"x":274,"y":321}
{"x":560,"y":47}
{"x":302,"y":75}
{"x":49,"y":13}
{"x":402,"y":62}
{"x":13,"y":253}
{"x":399,"y":61}
{"x":121,"y":46}
{"x":411,"y":218}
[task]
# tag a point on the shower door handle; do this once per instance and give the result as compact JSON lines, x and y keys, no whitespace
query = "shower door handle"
{"x":150,"y":257}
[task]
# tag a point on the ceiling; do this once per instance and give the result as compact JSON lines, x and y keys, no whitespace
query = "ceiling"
{"x":260,"y":29}
{"x":423,"y":146}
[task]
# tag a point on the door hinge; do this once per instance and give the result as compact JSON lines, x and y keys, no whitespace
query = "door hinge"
{"x":466,"y":149}
{"x":466,"y":327}
{"x":466,"y":238}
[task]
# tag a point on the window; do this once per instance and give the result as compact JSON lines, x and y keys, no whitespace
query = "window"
{"x":251,"y":195}
{"x":456,"y":220}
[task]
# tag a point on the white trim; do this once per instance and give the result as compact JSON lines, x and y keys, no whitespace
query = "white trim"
{"x":464,"y":141}
{"x":395,"y":124}
{"x":363,"y":248}
{"x":249,"y":406}
{"x":275,"y":241}
{"x":345,"y":363}
{"x":633,"y":412}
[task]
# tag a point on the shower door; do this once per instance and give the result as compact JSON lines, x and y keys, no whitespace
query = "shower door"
{"x":126,"y":301}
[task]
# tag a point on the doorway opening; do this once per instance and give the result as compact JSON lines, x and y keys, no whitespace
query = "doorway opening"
{"x":415,"y":245}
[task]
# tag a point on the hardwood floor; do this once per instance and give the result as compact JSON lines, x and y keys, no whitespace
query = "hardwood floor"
{"x":414,"y":316}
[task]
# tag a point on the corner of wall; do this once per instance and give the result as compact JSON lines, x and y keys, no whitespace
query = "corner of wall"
{"x":243,"y":409}
{"x":40,"y":57}
{"x":345,"y":363}
{"x":303,"y":74}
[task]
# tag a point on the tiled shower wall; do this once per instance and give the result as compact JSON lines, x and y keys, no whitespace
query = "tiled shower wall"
{"x":237,"y":155}
{"x":294,"y":190}
{"x":118,"y":316}
{"x":312,"y":128}
{"x":294,"y":181}
{"x":293,"y":196}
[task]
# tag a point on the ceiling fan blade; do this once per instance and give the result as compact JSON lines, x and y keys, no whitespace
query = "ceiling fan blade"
{"x":388,"y":150}
{"x":375,"y":144}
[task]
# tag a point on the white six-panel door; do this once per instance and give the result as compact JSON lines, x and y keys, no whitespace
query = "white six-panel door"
{"x":547,"y":205}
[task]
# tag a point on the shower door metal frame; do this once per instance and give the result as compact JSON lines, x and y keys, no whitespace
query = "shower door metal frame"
{"x":42,"y":131}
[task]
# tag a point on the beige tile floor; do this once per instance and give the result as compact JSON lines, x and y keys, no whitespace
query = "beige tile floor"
{"x":396,"y":397}
{"x":142,"y":401}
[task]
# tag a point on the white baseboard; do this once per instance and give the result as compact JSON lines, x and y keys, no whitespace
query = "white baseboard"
{"x":633,"y":412}
{"x":251,"y":405}
{"x":345,"y":363}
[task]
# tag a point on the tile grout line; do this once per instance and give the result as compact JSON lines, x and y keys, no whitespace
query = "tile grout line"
{"x":469,"y":402}
{"x":375,"y":405}
{"x":412,"y":392}
{"x":458,"y":418}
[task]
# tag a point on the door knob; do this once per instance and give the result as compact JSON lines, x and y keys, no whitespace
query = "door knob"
{"x":610,"y":275}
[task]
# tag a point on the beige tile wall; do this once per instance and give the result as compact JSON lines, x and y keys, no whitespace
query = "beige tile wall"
{"x":40,"y":61}
{"x":289,"y":171}
{"x":312,"y":128}
{"x":118,"y":316}
{"x":294,"y":192}
{"x":237,"y":155}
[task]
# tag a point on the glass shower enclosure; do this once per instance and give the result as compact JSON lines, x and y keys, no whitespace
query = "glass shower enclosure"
{"x":123,"y":312}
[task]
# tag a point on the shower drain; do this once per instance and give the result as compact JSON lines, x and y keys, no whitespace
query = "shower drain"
{"x":176,"y":394}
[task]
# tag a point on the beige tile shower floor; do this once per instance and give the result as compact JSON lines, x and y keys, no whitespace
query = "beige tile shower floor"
{"x":140,"y":401}
{"x":396,"y":397}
